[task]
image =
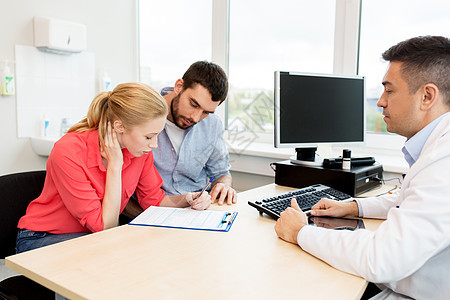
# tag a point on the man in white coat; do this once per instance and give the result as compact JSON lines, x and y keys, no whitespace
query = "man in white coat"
{"x":408,"y":256}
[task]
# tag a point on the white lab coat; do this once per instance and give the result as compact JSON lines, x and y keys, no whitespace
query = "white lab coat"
{"x":410,"y":252}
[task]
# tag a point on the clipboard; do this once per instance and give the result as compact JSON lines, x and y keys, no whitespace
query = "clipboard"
{"x":186,"y":218}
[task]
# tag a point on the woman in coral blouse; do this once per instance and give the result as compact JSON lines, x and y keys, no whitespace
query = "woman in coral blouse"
{"x":96,"y":167}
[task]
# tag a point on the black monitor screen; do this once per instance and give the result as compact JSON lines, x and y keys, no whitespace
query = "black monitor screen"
{"x":313,"y":108}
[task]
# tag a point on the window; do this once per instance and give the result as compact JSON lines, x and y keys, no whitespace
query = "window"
{"x":384,"y":23}
{"x":172,"y":35}
{"x":266,"y":36}
{"x":258,"y":37}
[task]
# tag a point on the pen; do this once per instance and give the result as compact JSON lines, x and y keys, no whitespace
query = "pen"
{"x":204,"y":189}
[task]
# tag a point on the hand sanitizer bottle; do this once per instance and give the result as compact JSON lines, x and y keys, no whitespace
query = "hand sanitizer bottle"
{"x":105,"y":83}
{"x":44,"y":126}
{"x":7,"y":80}
{"x":64,"y":127}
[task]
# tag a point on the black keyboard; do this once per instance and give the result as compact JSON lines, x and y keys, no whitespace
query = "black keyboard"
{"x":306,"y":198}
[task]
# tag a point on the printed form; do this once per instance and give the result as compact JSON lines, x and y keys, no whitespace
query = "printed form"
{"x":185,"y":218}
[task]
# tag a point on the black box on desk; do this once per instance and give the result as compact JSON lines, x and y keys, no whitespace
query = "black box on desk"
{"x":353,"y":182}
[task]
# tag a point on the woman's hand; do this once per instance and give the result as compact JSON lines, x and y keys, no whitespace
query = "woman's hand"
{"x":111,"y":150}
{"x":202,"y":202}
{"x":113,"y":160}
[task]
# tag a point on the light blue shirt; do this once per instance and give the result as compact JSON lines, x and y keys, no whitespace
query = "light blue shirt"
{"x":203,"y":154}
{"x":412,"y":148}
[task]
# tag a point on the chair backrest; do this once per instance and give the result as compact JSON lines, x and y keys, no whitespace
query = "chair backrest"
{"x":16,"y":192}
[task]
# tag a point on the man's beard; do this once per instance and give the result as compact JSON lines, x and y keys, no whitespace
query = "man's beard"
{"x":176,"y":117}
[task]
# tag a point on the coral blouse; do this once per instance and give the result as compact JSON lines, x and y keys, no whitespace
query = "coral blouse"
{"x":74,"y":187}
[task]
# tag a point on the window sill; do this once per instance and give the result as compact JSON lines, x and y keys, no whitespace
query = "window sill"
{"x":255,"y":158}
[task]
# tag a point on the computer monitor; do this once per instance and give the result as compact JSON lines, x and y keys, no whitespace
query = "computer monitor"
{"x":317,"y":108}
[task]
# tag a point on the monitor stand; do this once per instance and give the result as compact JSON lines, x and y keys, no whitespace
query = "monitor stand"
{"x":307,"y":157}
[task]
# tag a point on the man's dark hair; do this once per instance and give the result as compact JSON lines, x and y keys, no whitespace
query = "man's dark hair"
{"x":209,"y":75}
{"x":426,"y":59}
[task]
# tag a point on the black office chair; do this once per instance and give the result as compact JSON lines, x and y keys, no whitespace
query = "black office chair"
{"x":16,"y":192}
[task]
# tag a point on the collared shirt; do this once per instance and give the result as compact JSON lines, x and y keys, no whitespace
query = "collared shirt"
{"x":71,"y":200}
{"x":412,"y":148}
{"x":203,"y":154}
{"x":409,"y":253}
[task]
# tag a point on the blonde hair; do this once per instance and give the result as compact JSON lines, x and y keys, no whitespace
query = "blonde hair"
{"x":131,"y":103}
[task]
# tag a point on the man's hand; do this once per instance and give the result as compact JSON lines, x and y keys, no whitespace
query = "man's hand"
{"x":221,"y":192}
{"x":334,"y":223}
{"x":333,"y":208}
{"x":290,"y":222}
{"x":200,"y":203}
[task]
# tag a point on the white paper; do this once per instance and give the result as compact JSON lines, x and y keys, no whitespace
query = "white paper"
{"x":185,"y":218}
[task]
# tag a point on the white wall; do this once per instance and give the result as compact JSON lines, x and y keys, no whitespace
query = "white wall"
{"x":111,"y":33}
{"x":111,"y":36}
{"x":246,"y":181}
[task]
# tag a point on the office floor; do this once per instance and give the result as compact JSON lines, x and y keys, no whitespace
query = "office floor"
{"x":4,"y":271}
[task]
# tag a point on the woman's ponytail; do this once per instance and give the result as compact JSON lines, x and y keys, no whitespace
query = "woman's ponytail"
{"x":97,"y":116}
{"x":131,"y":103}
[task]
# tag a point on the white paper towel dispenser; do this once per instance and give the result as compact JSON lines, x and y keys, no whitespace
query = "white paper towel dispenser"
{"x":59,"y":36}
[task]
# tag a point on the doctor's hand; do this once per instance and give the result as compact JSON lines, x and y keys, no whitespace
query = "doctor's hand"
{"x":111,"y":150}
{"x":201,"y":203}
{"x":290,"y":222}
{"x":221,"y":192}
{"x":333,"y":208}
{"x":334,"y":223}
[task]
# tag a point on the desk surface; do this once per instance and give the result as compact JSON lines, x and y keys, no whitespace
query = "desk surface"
{"x":142,"y":262}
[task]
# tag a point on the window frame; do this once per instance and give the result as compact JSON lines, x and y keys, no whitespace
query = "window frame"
{"x":345,"y":61}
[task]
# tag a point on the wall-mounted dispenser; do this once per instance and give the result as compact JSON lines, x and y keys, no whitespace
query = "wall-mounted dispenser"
{"x":59,"y":36}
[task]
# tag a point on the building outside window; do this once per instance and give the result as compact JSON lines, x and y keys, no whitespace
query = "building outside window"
{"x":172,"y":35}
{"x":266,"y":36}
{"x":287,"y":35}
{"x":384,"y":23}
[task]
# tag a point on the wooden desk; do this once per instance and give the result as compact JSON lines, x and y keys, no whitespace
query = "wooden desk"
{"x":140,"y":262}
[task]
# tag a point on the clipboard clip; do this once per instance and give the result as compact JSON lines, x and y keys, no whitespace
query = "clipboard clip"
{"x":228,"y":218}
{"x":232,"y":218}
{"x":224,"y":219}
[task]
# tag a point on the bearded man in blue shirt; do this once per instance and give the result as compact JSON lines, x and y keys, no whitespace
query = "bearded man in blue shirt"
{"x":191,"y":149}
